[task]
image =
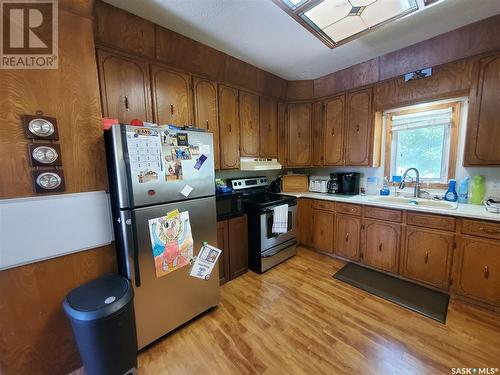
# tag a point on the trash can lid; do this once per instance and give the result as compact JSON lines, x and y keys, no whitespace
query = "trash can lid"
{"x":98,"y":298}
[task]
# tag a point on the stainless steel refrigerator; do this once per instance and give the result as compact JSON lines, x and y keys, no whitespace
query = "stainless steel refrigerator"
{"x":153,"y":171}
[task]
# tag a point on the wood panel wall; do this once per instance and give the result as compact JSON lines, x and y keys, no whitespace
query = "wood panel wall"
{"x":126,"y":32}
{"x":35,"y":336}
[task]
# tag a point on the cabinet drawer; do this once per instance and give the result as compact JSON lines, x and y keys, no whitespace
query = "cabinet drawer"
{"x":383,"y":214}
{"x":346,"y":208}
{"x":323,"y":205}
{"x":431,"y":221}
{"x":481,"y":228}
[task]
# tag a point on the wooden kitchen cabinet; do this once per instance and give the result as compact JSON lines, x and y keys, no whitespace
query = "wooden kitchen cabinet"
{"x":346,"y":236}
{"x":478,"y":270}
{"x":427,"y":256}
{"x":238,"y":246}
{"x":229,"y":128}
{"x":232,"y":239}
{"x":333,"y":150}
{"x":249,"y":124}
{"x":299,"y":145}
{"x":305,"y":213}
{"x":359,"y":127}
{"x":380,"y":245}
{"x":483,"y":128}
{"x":322,"y":230}
{"x":125,"y":90}
{"x":171,"y":92}
{"x":282,"y":134}
{"x":206,"y":113}
{"x":268,"y":127}
{"x":317,"y":134}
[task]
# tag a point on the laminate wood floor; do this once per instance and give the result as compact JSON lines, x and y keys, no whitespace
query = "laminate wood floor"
{"x":297,"y":319}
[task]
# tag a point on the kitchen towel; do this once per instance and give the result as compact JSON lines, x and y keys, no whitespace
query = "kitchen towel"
{"x":280,"y":219}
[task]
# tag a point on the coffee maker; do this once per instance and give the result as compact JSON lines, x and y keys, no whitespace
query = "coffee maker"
{"x":344,"y":183}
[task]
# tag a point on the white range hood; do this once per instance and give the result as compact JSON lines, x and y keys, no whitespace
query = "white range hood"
{"x":258,"y":164}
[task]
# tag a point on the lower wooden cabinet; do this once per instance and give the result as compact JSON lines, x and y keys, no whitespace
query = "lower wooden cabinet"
{"x":322,"y":230}
{"x":428,"y":256}
{"x":305,"y":212}
{"x":380,"y":245}
{"x":346,"y":236}
{"x":232,"y":239}
{"x":478,"y":270}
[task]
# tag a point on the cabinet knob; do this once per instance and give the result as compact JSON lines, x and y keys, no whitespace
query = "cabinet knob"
{"x":426,"y":258}
{"x":486,"y":272}
{"x":380,"y":247}
{"x":357,"y":128}
{"x":347,"y":237}
{"x":207,"y":124}
{"x":171,"y":109}
{"x":333,"y":132}
{"x":126,"y":103}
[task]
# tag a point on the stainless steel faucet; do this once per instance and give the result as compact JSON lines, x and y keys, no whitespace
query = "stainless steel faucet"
{"x":416,"y":191}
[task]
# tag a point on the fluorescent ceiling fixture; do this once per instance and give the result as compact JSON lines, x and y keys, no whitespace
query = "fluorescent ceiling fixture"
{"x":339,"y":21}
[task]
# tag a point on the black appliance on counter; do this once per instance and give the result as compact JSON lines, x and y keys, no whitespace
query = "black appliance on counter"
{"x":344,"y":183}
{"x":266,"y":249}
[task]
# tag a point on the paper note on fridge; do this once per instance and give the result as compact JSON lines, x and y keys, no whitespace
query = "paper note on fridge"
{"x":186,"y":190}
{"x":205,"y":262}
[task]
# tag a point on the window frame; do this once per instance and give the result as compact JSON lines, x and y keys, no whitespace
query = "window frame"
{"x":452,"y":148}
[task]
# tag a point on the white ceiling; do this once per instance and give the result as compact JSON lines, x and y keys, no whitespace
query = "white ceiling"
{"x":262,"y":34}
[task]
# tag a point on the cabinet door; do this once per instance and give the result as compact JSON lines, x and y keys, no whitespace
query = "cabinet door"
{"x":223,"y":244}
{"x":428,"y":255}
{"x":305,"y":221}
{"x":282,"y":134}
{"x":299,"y":135}
{"x":249,"y":124}
{"x":381,"y":242}
{"x":346,"y":237}
{"x":334,"y":131}
{"x":268,"y":127}
{"x":229,"y":127}
{"x":322,"y":230}
{"x":359,"y":127}
{"x":206,"y":112}
{"x":124,"y":83}
{"x":478,"y":274}
{"x":483,"y":129}
{"x":238,"y":246}
{"x":317,"y":129}
{"x":171,"y":96}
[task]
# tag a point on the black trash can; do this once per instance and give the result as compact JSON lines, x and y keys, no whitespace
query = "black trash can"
{"x":102,"y":316}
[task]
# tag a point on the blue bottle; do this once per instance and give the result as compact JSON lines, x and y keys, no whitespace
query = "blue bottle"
{"x":463,"y":191}
{"x":451,"y":195}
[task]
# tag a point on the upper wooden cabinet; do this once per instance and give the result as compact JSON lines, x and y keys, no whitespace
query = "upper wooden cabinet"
{"x":317,"y":134}
{"x":249,"y":124}
{"x":381,"y":242}
{"x":282,"y":134}
{"x":359,"y":127}
{"x":299,"y":146}
{"x":229,"y":127}
{"x":334,"y":131}
{"x":483,"y":128}
{"x":268,"y":127}
{"x":124,"y":83}
{"x":206,"y":113}
{"x":171,"y":96}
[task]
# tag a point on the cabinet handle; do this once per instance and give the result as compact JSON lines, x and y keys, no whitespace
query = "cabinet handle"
{"x":333,"y":132}
{"x":486,"y":272}
{"x":380,"y":247}
{"x":126,"y":103}
{"x":298,"y":134}
{"x":230,"y":128}
{"x":269,"y":127}
{"x":207,"y":124}
{"x":489,"y":231}
{"x":347,"y":237}
{"x":426,"y":258}
{"x":357,"y":128}
{"x":171,"y":109}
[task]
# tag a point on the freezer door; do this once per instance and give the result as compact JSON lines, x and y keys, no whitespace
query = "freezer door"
{"x":156,"y":165}
{"x":162,"y":304}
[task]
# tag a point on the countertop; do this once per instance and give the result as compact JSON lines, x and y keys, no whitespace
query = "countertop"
{"x":462,"y":210}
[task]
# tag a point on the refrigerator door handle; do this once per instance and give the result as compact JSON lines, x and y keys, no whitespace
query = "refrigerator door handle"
{"x":135,"y":254}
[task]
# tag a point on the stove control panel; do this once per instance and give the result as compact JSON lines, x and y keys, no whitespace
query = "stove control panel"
{"x":248,"y":183}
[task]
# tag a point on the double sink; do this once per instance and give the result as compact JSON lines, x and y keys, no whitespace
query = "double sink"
{"x":417,"y":202}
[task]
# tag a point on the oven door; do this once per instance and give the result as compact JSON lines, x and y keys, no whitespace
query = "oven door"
{"x":268,"y":239}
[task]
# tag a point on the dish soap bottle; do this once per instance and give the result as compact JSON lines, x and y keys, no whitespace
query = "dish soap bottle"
{"x":477,"y":190}
{"x":385,"y":187}
{"x":463,"y":191}
{"x":451,"y":195}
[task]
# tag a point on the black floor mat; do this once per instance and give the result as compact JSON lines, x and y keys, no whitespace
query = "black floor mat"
{"x":404,"y":293}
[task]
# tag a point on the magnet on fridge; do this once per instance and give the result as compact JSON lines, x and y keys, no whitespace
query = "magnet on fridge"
{"x":186,"y":190}
{"x":182,"y":139}
{"x":200,"y":161}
